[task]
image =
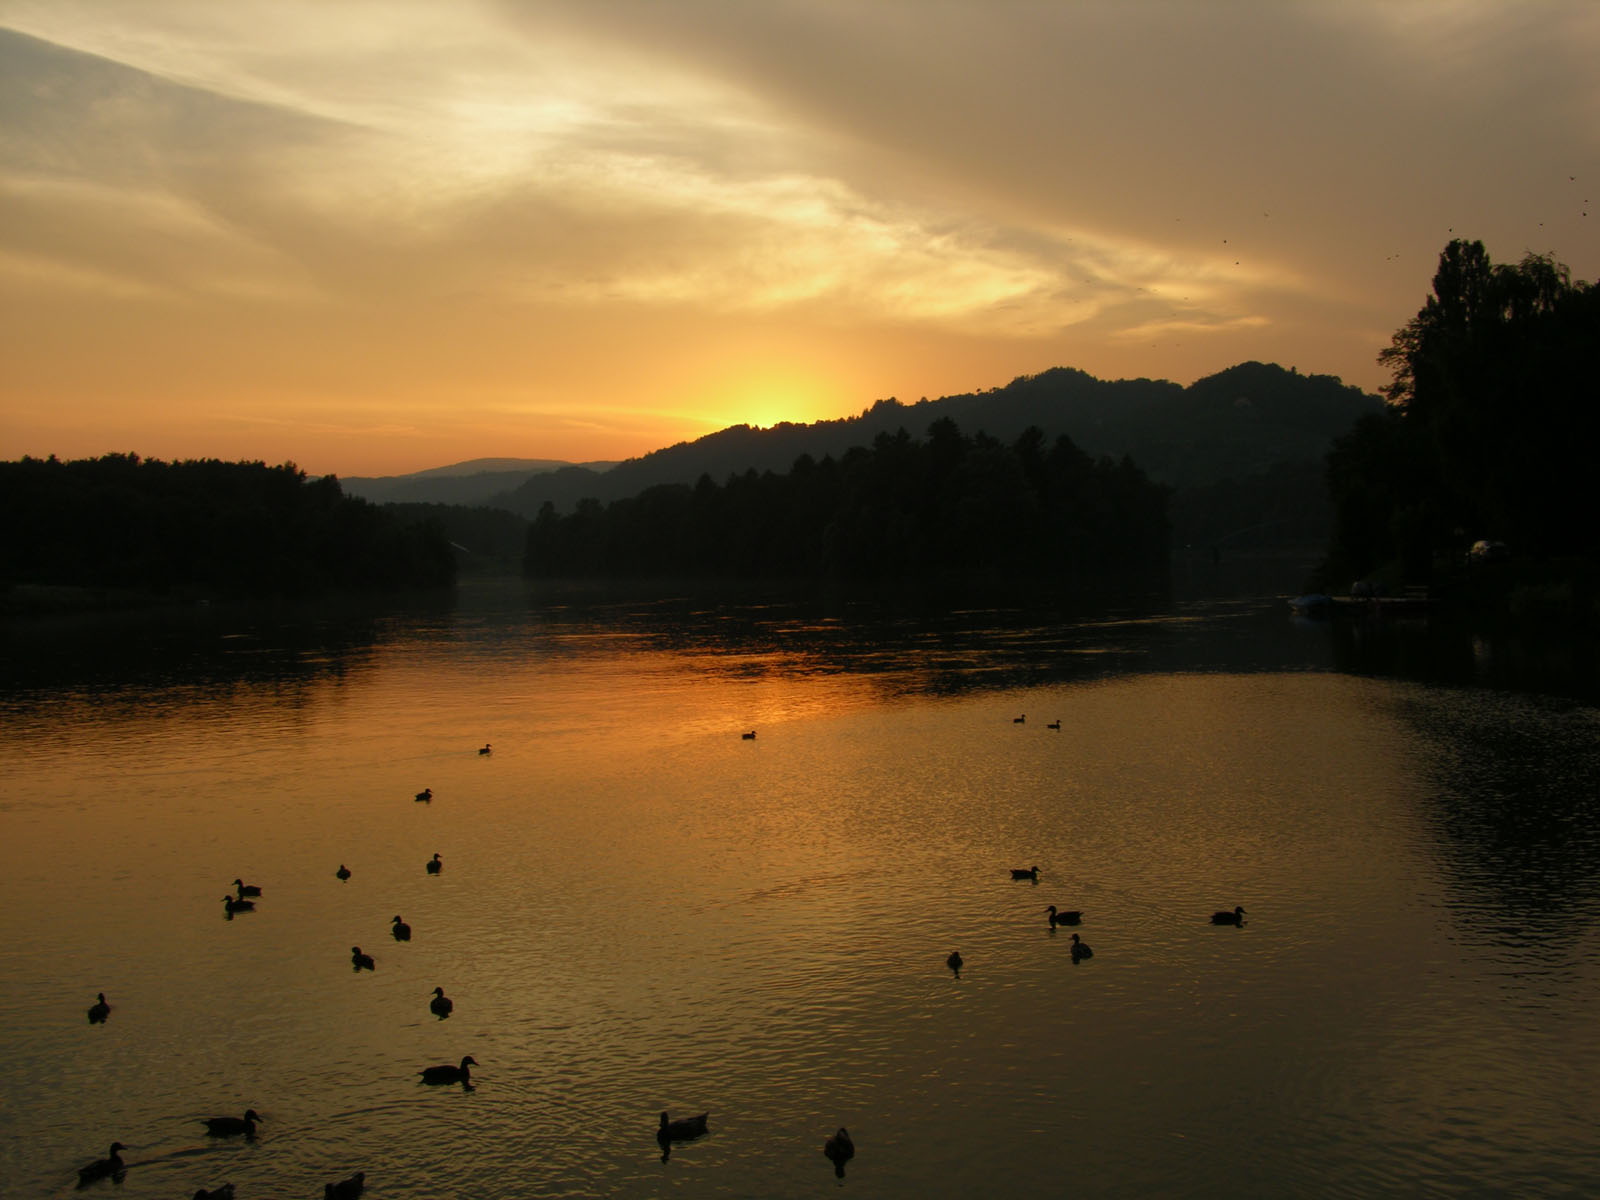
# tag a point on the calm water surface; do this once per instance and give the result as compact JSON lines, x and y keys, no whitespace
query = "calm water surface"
{"x":641,"y":910}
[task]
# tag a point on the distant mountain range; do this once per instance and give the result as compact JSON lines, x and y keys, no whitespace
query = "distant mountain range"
{"x":1251,"y":420}
{"x":476,"y":481}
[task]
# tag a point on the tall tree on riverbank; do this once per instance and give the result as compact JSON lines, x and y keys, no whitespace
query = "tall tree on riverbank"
{"x":1492,"y":425}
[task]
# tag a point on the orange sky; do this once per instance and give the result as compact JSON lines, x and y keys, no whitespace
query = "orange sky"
{"x":373,"y":237}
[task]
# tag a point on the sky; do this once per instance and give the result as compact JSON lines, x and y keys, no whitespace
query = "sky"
{"x":375,"y":237}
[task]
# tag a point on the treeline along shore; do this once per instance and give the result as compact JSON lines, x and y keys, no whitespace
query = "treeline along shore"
{"x":947,"y":506}
{"x":144,"y":530}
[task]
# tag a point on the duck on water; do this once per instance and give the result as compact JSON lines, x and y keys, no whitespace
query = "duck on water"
{"x":232,"y":1126}
{"x":448,"y":1074}
{"x":1236,"y":917}
{"x":840,"y":1150}
{"x":99,"y":1010}
{"x":111,"y":1164}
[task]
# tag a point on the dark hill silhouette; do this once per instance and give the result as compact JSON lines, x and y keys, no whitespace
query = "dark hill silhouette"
{"x":472,"y":482}
{"x":1247,"y":420}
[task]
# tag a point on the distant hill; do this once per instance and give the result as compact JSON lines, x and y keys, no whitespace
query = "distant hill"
{"x":472,"y":482}
{"x":1249,"y":420}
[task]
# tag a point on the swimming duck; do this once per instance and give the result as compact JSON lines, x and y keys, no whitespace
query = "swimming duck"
{"x":1071,"y":916}
{"x":840,"y":1149}
{"x":362,"y":962}
{"x":449,"y":1074}
{"x":99,"y":1010}
{"x":234,"y":905}
{"x":345,"y":1189}
{"x":246,"y":889}
{"x":1080,"y":949}
{"x":111,"y":1164}
{"x":1236,"y":917}
{"x":954,"y":961}
{"x":749,"y":737}
{"x":434,"y":865}
{"x":225,"y":1192}
{"x":441,"y":1005}
{"x":485,"y":749}
{"x":230,"y":1126}
{"x":1054,"y":725}
{"x":425,"y":795}
{"x":1031,"y":873}
{"x":401,"y":931}
{"x":343,"y":872}
{"x":681,"y":1130}
{"x":1022,"y":720}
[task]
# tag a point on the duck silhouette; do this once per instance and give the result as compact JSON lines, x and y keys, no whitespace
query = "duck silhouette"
{"x":448,"y":1074}
{"x":1032,"y":873}
{"x":425,"y":795}
{"x":749,"y":737}
{"x":232,"y":1126}
{"x":235,"y":905}
{"x":954,"y":962}
{"x":345,"y":1189}
{"x":343,"y":872}
{"x":1071,"y":916}
{"x":1236,"y":917}
{"x":1080,"y":949}
{"x":1022,"y":720}
{"x":111,"y":1164}
{"x":485,"y":749}
{"x":246,"y":889}
{"x":222,"y":1192}
{"x":401,"y":931}
{"x":99,"y":1010}
{"x":840,"y":1149}
{"x":362,"y":962}
{"x":434,"y":865}
{"x":1054,"y":725}
{"x":441,"y":1005}
{"x":682,"y":1130}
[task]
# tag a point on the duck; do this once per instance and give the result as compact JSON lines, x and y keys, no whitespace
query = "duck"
{"x":362,"y":962}
{"x":230,"y":1126}
{"x":99,"y":1010}
{"x":449,"y":1074}
{"x":1031,"y":873}
{"x":434,"y":865}
{"x":425,"y":795}
{"x":681,"y":1130}
{"x":485,"y":749}
{"x":401,"y":931}
{"x":1054,"y":725}
{"x":345,"y":1189}
{"x":235,"y":905}
{"x":1071,"y":916}
{"x":246,"y":889}
{"x":1224,"y":917}
{"x":224,"y":1192}
{"x":749,"y":737}
{"x":111,"y":1164}
{"x":840,"y":1149}
{"x":1080,"y":949}
{"x":343,"y":872}
{"x":954,"y":961}
{"x":441,"y":1005}
{"x":1022,"y":720}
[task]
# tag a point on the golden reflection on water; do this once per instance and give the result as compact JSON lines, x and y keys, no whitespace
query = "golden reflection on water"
{"x":639,"y":909}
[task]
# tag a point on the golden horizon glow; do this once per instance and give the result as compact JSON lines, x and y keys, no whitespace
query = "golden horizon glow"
{"x":371,"y":237}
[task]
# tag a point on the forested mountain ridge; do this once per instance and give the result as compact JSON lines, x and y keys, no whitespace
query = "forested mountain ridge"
{"x":1246,"y":420}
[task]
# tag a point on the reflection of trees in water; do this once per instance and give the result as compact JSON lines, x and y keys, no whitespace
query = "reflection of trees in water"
{"x":1515,"y":810}
{"x":132,"y":657}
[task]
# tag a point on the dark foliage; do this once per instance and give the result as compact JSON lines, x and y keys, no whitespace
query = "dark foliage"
{"x":205,"y":527}
{"x":950,"y":506}
{"x":1490,"y":432}
{"x":485,"y":540}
